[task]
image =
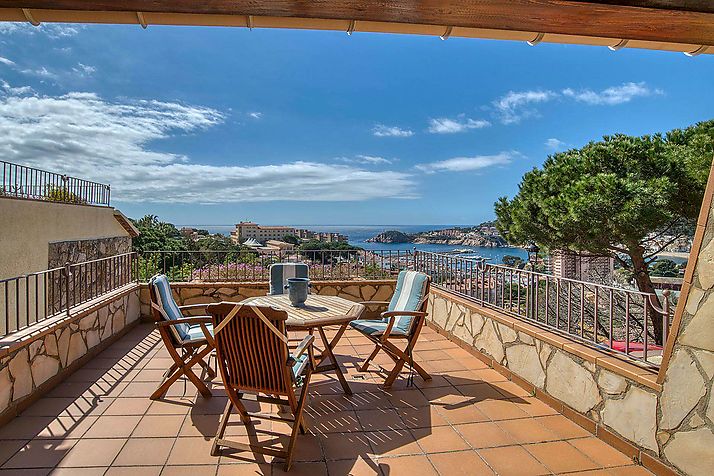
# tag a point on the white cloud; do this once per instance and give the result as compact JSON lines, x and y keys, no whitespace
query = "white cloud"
{"x":555,"y":144}
{"x":81,"y":70}
{"x":84,"y":70}
{"x":366,"y":159}
{"x":8,"y":89}
{"x":84,"y":135}
{"x":444,"y":125}
{"x":51,"y":30}
{"x":517,"y":105}
{"x":380,"y":130}
{"x":6,"y":62}
{"x":611,"y":96}
{"x":467,"y":164}
{"x":255,"y":115}
{"x":40,"y":73}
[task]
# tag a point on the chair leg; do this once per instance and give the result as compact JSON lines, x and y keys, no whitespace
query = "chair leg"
{"x":234,"y":397}
{"x":365,"y":365}
{"x":221,"y":428}
{"x":202,"y":388}
{"x":394,"y":373}
{"x":209,"y":371}
{"x":401,"y":357}
{"x":164,"y":387}
{"x":298,"y":424}
{"x":184,"y":368}
{"x":423,"y":373}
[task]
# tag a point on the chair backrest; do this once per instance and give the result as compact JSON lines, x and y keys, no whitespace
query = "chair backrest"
{"x":280,"y":272}
{"x":164,"y":307}
{"x":250,"y":354}
{"x":410,"y":294}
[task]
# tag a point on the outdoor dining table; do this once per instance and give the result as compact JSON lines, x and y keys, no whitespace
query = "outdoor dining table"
{"x":317,"y":313}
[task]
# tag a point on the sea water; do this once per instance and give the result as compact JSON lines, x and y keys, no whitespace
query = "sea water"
{"x":358,"y":234}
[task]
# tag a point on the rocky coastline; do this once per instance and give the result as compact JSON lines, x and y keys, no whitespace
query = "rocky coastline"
{"x":484,"y":235}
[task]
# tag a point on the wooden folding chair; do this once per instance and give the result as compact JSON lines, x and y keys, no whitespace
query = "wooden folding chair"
{"x":189,"y":340}
{"x":403,"y":320}
{"x":253,"y":357}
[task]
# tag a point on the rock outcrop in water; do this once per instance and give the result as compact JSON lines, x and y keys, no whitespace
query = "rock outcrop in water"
{"x":484,"y":235}
{"x":392,"y":236}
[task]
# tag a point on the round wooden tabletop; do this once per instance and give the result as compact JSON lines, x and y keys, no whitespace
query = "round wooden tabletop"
{"x":317,"y":311}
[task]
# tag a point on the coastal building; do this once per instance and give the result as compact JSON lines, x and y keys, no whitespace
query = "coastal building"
{"x":331,"y":237}
{"x":326,"y":237}
{"x":194,"y":234}
{"x":666,"y":282}
{"x":279,"y":245}
{"x":247,"y":229}
{"x":582,"y":266}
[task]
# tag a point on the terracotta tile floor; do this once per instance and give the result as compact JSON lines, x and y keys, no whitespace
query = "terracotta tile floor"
{"x":468,"y":420}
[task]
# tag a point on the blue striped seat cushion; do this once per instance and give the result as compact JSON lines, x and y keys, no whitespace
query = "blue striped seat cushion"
{"x":372,"y":327}
{"x":298,"y":363}
{"x":195,"y":333}
{"x":171,"y":310}
{"x":407,"y":297}
{"x":280,"y":272}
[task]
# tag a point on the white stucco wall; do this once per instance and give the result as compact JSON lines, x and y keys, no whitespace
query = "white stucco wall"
{"x":27,"y":227}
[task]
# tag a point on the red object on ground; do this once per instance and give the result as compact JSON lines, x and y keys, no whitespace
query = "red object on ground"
{"x":620,"y":345}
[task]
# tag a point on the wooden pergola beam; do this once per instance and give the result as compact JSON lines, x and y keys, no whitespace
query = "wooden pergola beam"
{"x":689,"y":22}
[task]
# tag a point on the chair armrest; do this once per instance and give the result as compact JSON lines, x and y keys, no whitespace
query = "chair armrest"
{"x":200,"y":320}
{"x":306,"y":344}
{"x":303,"y":345}
{"x":186,"y":320}
{"x":195,"y":306}
{"x":374,"y":303}
{"x":391,"y":314}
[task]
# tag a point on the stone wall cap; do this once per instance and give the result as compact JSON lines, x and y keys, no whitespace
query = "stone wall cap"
{"x":257,"y":284}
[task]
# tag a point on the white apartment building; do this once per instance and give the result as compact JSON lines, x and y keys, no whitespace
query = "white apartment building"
{"x":247,"y":229}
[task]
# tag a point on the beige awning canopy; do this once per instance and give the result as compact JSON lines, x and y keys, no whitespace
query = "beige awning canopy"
{"x":671,"y":25}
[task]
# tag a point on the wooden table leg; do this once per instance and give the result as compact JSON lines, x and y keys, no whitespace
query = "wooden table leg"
{"x":333,"y":342}
{"x":330,"y":355}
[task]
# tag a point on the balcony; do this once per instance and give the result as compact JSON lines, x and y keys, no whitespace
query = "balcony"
{"x":470,"y":419}
{"x":513,"y":391}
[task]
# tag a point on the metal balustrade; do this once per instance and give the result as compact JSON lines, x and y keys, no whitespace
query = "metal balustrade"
{"x":19,"y":181}
{"x":621,"y":320}
{"x":35,"y":297}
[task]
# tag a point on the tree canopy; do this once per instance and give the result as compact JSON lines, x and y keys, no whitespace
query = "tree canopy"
{"x":156,"y":235}
{"x":619,"y":196}
{"x":611,"y":195}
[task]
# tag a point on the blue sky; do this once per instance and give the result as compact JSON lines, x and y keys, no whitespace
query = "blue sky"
{"x":217,"y":125}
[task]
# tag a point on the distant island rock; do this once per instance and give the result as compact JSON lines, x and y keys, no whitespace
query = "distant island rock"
{"x":392,"y":236}
{"x":483,"y":235}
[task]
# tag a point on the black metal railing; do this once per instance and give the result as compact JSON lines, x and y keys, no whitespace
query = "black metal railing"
{"x":227,"y":266}
{"x":32,"y":298}
{"x":626,"y":321}
{"x":19,"y":181}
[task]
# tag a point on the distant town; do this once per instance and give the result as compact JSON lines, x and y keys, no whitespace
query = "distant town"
{"x":667,"y":266}
{"x":270,"y":238}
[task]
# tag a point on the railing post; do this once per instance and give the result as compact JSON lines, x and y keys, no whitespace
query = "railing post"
{"x":665,"y":316}
{"x":67,"y":274}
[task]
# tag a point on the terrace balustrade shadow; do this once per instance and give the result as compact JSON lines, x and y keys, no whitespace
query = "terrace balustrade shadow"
{"x":101,"y":417}
{"x":70,"y":409}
